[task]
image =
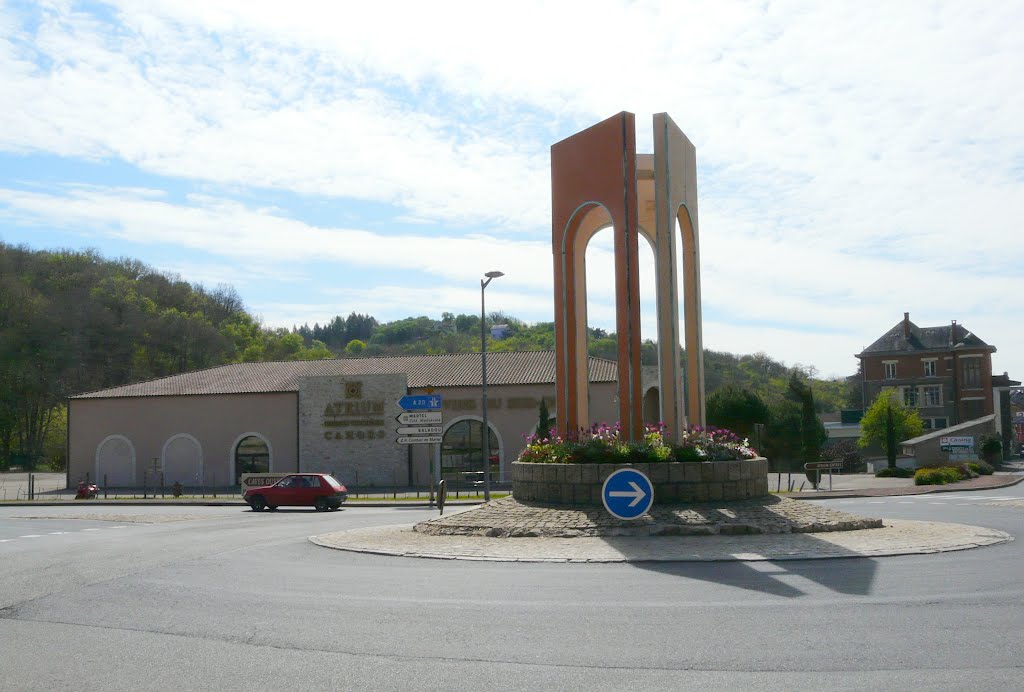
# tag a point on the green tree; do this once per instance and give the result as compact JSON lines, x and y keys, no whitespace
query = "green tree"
{"x":354,"y":347}
{"x":544,"y":422}
{"x":886,"y":422}
{"x":737,"y":409}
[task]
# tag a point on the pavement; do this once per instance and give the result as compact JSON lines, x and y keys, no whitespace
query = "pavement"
{"x":765,"y":529}
{"x":776,"y":528}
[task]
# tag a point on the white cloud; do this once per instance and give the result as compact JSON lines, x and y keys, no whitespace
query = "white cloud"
{"x":855,"y":161}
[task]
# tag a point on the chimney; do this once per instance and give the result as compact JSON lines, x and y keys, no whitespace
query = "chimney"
{"x":906,"y":325}
{"x":952,"y":334}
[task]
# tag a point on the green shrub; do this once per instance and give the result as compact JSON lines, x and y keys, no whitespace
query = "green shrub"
{"x":602,"y":444}
{"x":894,"y":472}
{"x":940,"y":475}
{"x":982,"y":468}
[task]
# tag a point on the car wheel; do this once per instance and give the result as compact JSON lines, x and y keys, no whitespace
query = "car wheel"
{"x":272,"y":508}
{"x":258,"y":503}
{"x":320,"y":504}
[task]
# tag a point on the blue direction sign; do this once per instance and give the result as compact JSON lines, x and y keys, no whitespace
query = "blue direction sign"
{"x":627,"y":494}
{"x":420,"y":402}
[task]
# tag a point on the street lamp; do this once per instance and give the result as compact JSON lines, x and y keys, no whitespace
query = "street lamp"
{"x":483,"y":385}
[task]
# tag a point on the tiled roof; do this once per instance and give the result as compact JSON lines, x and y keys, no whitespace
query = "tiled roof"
{"x":444,"y":370}
{"x":924,"y":339}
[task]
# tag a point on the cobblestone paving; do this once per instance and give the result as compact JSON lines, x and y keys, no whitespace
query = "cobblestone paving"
{"x":510,"y":518}
{"x":893,"y":538}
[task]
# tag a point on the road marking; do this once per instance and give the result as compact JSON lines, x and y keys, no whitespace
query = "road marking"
{"x":57,"y":533}
{"x":92,"y":529}
{"x":32,"y":535}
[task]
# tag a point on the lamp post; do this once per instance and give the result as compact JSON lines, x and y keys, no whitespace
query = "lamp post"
{"x":483,"y":385}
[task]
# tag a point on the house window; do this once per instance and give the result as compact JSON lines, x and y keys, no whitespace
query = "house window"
{"x":929,"y":368}
{"x":909,"y":396}
{"x":890,"y":369}
{"x":931,"y":395}
{"x":939,"y":423}
{"x":972,"y":372}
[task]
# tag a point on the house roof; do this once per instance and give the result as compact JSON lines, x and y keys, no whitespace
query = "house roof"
{"x":923,"y":339}
{"x":443,"y":370}
{"x":947,"y":432}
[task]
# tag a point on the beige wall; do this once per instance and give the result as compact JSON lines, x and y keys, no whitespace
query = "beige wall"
{"x":159,"y":427}
{"x":216,"y":423}
{"x":511,"y":413}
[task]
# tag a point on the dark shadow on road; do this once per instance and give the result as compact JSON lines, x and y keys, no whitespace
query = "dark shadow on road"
{"x":853,"y":575}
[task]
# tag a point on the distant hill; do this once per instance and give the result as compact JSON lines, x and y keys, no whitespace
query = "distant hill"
{"x":73,"y":321}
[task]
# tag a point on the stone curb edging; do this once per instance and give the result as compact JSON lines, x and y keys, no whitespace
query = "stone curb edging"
{"x":895,"y":538}
{"x":1004,"y":482}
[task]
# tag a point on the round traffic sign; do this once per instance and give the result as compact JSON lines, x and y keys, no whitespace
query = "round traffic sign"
{"x":627,"y":494}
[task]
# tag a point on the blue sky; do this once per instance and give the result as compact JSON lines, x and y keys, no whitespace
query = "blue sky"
{"x":856,"y":160}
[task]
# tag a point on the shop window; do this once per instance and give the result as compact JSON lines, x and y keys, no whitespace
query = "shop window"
{"x":462,"y":452}
{"x":251,"y":456}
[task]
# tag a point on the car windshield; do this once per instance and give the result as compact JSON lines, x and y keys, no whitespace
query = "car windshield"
{"x":333,"y":481}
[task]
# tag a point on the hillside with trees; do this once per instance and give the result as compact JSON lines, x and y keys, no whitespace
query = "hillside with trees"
{"x":74,"y":322}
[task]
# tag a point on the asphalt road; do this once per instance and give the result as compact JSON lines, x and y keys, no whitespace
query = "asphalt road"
{"x":224,"y":598}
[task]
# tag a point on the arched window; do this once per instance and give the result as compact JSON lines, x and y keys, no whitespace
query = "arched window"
{"x":251,"y":456}
{"x":462,"y":451}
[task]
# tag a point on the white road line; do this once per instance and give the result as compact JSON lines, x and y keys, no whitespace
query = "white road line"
{"x":32,"y":535}
{"x":57,"y":533}
{"x":92,"y":529}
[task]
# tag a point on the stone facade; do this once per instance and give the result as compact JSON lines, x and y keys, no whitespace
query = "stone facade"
{"x":348,"y":427}
{"x":580,"y":484}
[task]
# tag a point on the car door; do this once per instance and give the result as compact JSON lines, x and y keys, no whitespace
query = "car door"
{"x":309,"y":490}
{"x":284,"y":492}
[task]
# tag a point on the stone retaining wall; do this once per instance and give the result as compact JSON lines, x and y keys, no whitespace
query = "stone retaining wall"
{"x":580,"y":484}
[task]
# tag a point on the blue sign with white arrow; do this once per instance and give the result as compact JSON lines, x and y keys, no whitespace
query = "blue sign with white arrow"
{"x":627,"y":494}
{"x":420,"y":402}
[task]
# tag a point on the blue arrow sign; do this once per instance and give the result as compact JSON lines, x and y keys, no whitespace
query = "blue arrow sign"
{"x":627,"y":494}
{"x":420,"y":402}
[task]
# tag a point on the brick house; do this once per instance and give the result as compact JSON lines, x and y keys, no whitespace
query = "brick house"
{"x":944,"y":372}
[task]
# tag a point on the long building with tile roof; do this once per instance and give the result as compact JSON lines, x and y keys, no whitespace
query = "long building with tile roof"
{"x":212,"y":427}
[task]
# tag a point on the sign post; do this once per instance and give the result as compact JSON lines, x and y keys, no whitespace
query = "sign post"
{"x":627,"y":494}
{"x":826,"y":465}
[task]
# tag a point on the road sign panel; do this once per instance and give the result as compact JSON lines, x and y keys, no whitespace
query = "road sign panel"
{"x":419,"y":439}
{"x":421,"y":402}
{"x":419,"y":418}
{"x":627,"y":494}
{"x":421,"y":430}
{"x":823,"y":465}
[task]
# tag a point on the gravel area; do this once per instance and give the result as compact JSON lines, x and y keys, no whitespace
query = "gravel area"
{"x":510,"y":518}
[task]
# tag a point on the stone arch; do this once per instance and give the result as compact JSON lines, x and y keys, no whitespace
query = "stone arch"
{"x":600,"y":167}
{"x":182,"y":460}
{"x":652,"y":406}
{"x":471,"y":461}
{"x":115,"y":461}
{"x":233,"y":453}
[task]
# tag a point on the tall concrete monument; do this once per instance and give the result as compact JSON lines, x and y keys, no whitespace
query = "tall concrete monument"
{"x":598,"y":180}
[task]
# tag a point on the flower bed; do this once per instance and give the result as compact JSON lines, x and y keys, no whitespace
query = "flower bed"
{"x":705,"y":465}
{"x":602,"y":444}
{"x":674,"y":482}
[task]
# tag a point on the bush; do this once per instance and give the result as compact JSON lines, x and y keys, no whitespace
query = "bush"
{"x":982,"y":468}
{"x":894,"y":472}
{"x":941,"y":475}
{"x":601,"y":445}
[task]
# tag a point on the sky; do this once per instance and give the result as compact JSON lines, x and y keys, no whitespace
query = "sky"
{"x":856,"y":160}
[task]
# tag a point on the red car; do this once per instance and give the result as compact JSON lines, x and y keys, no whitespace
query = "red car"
{"x":319,"y":490}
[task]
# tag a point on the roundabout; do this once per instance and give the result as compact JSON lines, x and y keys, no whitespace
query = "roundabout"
{"x":767,"y":529}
